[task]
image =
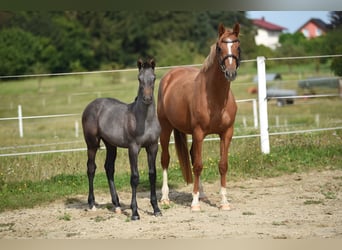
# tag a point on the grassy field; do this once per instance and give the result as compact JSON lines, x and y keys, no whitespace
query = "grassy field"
{"x":29,"y":180}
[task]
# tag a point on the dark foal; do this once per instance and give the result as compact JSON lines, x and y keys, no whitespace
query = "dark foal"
{"x":131,"y":126}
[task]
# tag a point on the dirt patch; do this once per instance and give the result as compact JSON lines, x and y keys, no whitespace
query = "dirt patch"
{"x":306,"y":205}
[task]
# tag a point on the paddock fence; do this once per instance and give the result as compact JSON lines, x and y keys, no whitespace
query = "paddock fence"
{"x":260,"y":117}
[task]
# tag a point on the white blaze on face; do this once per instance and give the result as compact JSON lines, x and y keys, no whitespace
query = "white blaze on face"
{"x":229,"y":46}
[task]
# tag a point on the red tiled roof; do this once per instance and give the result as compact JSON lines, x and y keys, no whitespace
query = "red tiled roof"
{"x":261,"y":23}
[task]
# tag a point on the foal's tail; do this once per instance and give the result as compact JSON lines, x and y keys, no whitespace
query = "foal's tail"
{"x":183,"y":154}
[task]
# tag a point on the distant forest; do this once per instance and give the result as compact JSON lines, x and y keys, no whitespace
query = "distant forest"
{"x":67,"y":41}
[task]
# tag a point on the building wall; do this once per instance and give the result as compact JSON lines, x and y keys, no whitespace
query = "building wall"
{"x":310,"y":30}
{"x":267,"y":38}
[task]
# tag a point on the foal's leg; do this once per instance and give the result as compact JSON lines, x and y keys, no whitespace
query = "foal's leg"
{"x":165,"y":160}
{"x":133,"y":152}
{"x":223,"y":167}
{"x":197,"y":167}
{"x":151,"y":157}
{"x":110,"y":171}
{"x":91,"y":168}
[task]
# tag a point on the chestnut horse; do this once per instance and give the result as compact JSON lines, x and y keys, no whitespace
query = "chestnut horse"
{"x":200,"y":102}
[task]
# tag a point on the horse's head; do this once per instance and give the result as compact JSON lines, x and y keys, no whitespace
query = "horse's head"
{"x":228,"y":50}
{"x":146,"y":79}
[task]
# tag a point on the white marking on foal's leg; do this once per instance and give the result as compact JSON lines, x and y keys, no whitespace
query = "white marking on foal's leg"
{"x":224,"y":205}
{"x":195,"y":205}
{"x":165,"y":189}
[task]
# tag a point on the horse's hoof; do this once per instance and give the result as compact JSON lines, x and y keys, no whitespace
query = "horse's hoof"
{"x":204,"y":198}
{"x":93,"y":208}
{"x":165,"y":202}
{"x":195,"y":208}
{"x":158,"y":214}
{"x":225,"y":207}
{"x":117,"y":210}
{"x":135,"y":217}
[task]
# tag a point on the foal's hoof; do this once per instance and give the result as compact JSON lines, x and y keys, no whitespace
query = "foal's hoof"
{"x":225,"y":207}
{"x":157,"y":214}
{"x":117,"y":210}
{"x":92,"y":208}
{"x":195,"y":208}
{"x":135,"y":217}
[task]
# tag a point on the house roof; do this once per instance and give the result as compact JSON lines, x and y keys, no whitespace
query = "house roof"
{"x":262,"y":23}
{"x":318,"y":22}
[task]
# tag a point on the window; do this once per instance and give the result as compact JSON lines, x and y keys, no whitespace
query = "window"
{"x":305,"y":32}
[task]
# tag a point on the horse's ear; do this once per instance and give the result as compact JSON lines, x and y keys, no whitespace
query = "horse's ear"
{"x":152,"y":63}
{"x":221,"y":29}
{"x":140,"y":64}
{"x":236,"y":29}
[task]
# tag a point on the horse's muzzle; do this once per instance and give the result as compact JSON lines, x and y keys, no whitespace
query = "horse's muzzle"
{"x":147,"y":99}
{"x":230,"y":75}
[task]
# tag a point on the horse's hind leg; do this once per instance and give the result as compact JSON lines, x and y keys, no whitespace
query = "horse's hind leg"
{"x":110,"y":171}
{"x":151,"y":157}
{"x":165,"y":159}
{"x":91,"y":168}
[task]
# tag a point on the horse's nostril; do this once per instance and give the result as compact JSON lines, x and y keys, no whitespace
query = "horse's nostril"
{"x":147,"y":99}
{"x":230,"y":75}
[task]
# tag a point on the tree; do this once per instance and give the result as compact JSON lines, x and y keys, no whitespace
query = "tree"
{"x":89,"y":40}
{"x":291,"y":45}
{"x":335,"y":19}
{"x":333,"y":40}
{"x":18,"y":51}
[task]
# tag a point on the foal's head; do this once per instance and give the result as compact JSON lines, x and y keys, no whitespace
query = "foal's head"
{"x":228,"y":50}
{"x":146,"y":79}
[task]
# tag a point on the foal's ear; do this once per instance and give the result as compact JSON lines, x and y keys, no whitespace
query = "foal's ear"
{"x":140,"y":64}
{"x":236,"y":29}
{"x":152,"y":63}
{"x":221,"y":29}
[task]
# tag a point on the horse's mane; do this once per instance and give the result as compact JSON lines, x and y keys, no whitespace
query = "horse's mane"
{"x":210,"y":58}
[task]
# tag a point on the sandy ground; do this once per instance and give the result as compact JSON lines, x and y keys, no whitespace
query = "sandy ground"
{"x":305,"y":206}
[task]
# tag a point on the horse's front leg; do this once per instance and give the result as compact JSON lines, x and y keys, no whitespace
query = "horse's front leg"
{"x":202,"y":195}
{"x":225,"y":140}
{"x":196,"y":154}
{"x":151,"y":158}
{"x":133,"y":152}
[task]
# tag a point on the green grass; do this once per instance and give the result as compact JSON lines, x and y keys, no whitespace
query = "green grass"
{"x":26,"y":181}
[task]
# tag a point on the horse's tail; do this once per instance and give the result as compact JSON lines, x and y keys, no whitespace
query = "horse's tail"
{"x":183,"y":155}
